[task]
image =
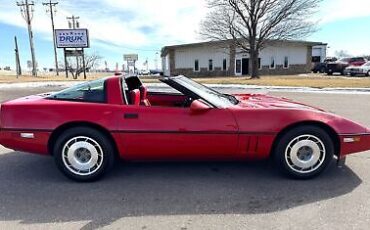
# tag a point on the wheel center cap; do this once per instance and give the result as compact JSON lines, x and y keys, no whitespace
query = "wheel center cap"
{"x":83,"y":155}
{"x":305,"y":153}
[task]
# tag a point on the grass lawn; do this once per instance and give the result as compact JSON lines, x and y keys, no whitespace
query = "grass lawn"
{"x":11,"y":78}
{"x":309,"y":80}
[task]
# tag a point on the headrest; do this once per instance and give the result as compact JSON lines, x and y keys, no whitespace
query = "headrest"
{"x":135,"y":97}
{"x":143,"y":92}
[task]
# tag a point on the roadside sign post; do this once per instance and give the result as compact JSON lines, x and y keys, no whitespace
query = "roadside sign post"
{"x":73,"y":42}
{"x":65,"y":62}
{"x":83,"y":62}
{"x":131,"y":60}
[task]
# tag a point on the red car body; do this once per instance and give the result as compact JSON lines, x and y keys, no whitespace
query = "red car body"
{"x":246,"y":131}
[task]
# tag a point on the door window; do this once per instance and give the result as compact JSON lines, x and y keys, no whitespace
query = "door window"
{"x":238,"y":66}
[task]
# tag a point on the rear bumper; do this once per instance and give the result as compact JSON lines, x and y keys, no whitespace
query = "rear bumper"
{"x":25,"y":141}
{"x":354,"y":143}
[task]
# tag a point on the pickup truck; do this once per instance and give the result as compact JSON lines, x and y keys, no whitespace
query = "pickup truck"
{"x":340,"y":65}
{"x":320,"y":67}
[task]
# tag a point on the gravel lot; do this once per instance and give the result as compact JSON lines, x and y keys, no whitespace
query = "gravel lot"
{"x":34,"y":195}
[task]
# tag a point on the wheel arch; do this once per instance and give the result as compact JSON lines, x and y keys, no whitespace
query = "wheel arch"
{"x":58,"y":131}
{"x":332,"y":133}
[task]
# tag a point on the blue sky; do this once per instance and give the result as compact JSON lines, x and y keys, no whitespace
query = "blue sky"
{"x":119,"y":27}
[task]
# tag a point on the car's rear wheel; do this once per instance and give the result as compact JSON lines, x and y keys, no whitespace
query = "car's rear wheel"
{"x":304,"y":152}
{"x":368,"y":73}
{"x":83,"y":154}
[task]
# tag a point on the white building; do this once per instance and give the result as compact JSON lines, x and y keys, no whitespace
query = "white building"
{"x":223,"y":59}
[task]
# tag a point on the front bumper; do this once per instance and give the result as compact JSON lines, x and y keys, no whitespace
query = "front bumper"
{"x":353,"y":72}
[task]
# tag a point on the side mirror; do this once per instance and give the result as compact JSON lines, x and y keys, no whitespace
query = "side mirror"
{"x":198,"y":106}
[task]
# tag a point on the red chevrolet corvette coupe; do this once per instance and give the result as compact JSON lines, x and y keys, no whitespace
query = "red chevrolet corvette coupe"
{"x":87,"y":127}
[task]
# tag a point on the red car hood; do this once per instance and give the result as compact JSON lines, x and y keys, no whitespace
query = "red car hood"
{"x":266,"y":101}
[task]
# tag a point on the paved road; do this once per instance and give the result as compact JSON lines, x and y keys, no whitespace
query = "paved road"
{"x":34,"y":195}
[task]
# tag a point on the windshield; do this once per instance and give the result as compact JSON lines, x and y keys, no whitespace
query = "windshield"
{"x":203,"y":92}
{"x":344,"y":59}
{"x":93,"y":91}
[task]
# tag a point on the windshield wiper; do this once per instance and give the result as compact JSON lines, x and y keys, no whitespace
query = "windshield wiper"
{"x":232,"y":99}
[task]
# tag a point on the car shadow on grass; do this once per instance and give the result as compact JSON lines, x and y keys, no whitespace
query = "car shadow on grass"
{"x":33,"y":191}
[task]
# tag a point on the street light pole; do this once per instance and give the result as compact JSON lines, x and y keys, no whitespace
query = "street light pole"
{"x":51,"y":6}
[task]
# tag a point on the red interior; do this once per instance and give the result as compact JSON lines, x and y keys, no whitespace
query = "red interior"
{"x":135,"y":97}
{"x":166,"y":100}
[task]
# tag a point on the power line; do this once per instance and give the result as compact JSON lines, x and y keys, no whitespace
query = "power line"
{"x":27,"y":10}
{"x":73,"y":23}
{"x":51,"y":8}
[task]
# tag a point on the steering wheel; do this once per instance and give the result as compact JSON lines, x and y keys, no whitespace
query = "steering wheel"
{"x":187,"y":102}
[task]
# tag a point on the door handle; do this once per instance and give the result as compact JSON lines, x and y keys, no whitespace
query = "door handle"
{"x":131,"y":116}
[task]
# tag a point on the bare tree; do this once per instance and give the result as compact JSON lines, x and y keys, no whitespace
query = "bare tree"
{"x":91,"y":62}
{"x":342,"y":53}
{"x":250,"y":24}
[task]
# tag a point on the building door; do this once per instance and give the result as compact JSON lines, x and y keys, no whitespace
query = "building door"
{"x":245,"y":66}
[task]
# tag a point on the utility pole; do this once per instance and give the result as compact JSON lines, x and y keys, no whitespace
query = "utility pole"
{"x":156,"y":60}
{"x":52,"y":10}
{"x":74,"y":24}
{"x":17,"y":60}
{"x":27,"y":13}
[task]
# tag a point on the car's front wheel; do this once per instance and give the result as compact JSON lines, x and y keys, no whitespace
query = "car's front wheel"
{"x":83,"y":154}
{"x":304,"y":152}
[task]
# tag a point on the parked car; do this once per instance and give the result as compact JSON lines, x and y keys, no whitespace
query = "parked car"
{"x":87,"y":127}
{"x":156,"y":72}
{"x":358,"y":70}
{"x":340,"y":65}
{"x":322,"y":67}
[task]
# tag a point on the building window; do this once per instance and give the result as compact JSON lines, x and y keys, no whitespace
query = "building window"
{"x":238,"y":66}
{"x":196,"y":65}
{"x":210,"y":65}
{"x":259,"y":64}
{"x":224,"y":65}
{"x":272,"y":63}
{"x":167,"y":62}
{"x":286,"y":62}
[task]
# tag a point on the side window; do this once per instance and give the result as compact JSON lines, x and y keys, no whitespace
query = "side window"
{"x":94,"y":91}
{"x":224,"y":64}
{"x":238,"y":66}
{"x":210,"y":65}
{"x":286,"y":62}
{"x":125,"y":91}
{"x":259,"y":64}
{"x":272,"y":63}
{"x":196,"y":65}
